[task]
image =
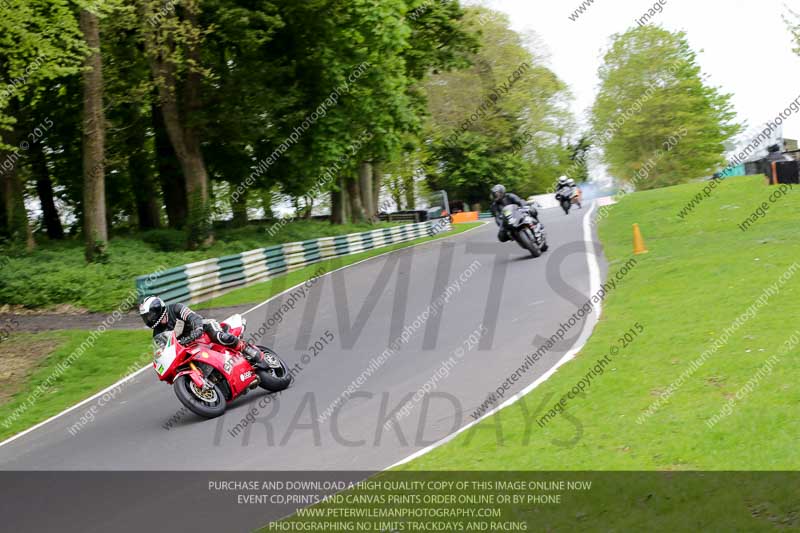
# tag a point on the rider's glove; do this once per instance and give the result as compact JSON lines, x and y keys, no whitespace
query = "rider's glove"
{"x":191,"y":337}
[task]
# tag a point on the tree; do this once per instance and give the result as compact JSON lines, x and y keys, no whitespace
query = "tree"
{"x":578,"y":155}
{"x":95,"y":229}
{"x":44,"y":187}
{"x":792,"y":19}
{"x":654,"y":109}
{"x":30,"y":58}
{"x":172,"y":39}
{"x":248,"y":93}
{"x":501,"y":120}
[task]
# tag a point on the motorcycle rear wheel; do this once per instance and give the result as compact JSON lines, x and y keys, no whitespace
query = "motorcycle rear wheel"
{"x":205,"y":403}
{"x":274,"y":379}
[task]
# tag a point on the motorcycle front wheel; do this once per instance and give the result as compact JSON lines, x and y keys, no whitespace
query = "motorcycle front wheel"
{"x":527,"y":242}
{"x":274,"y":379}
{"x":208,"y":403}
{"x":565,"y":205}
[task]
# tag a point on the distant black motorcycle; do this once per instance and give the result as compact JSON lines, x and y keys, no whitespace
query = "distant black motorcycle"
{"x":568,"y":196}
{"x":520,"y":225}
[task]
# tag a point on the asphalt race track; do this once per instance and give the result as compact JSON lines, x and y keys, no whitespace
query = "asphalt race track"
{"x":498,"y":295}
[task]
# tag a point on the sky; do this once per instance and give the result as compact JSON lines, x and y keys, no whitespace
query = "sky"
{"x":743,"y":46}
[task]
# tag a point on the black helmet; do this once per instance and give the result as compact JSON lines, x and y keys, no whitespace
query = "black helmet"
{"x":152,"y":311}
{"x":498,"y":191}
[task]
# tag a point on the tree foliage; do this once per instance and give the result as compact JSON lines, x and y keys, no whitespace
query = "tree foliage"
{"x":166,"y":116}
{"x":655,"y":107}
{"x":503,"y":119}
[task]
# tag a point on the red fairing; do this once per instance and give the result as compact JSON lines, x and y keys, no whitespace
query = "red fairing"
{"x":174,"y":360}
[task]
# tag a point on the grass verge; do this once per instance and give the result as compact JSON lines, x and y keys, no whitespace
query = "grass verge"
{"x":56,"y":272}
{"x":112,"y":356}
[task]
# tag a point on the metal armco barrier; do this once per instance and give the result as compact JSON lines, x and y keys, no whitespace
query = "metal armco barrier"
{"x":203,"y":280}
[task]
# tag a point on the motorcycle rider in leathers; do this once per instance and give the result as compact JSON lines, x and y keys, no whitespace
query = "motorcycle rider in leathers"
{"x":161,"y":317}
{"x":501,"y":199}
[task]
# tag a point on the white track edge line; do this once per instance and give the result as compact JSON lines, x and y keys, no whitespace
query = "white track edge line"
{"x":594,"y":287}
{"x":131,"y":376}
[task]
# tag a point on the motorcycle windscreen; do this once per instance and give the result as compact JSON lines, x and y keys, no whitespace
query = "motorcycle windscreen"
{"x":166,"y":353}
{"x":236,"y":324}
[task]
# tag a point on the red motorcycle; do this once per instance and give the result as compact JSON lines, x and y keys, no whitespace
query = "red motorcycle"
{"x":206,"y":376}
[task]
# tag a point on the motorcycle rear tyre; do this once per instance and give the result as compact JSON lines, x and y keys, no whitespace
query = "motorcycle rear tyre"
{"x":274,"y":379}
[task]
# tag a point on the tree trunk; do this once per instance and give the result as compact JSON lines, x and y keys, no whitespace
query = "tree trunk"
{"x":18,"y":226}
{"x":397,"y":196}
{"x":173,"y":186}
{"x":348,"y":208}
{"x":266,"y":205}
{"x":194,"y":171}
{"x":354,"y":195}
{"x":377,"y":179}
{"x":337,"y":204}
{"x":94,"y":188}
{"x":197,"y":182}
{"x":148,"y":205}
{"x":239,"y":208}
{"x":3,"y":218}
{"x":16,"y":214}
{"x":365,"y":189}
{"x":408,"y":186}
{"x":44,"y":186}
{"x":183,"y":136}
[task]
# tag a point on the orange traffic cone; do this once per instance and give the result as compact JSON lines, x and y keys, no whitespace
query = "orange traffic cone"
{"x":638,"y":241}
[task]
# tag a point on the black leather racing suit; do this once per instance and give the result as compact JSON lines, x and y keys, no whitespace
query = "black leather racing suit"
{"x":193,"y":326}
{"x":497,"y":210}
{"x":561,"y":189}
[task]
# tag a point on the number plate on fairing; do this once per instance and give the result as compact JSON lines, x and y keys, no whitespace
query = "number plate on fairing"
{"x":165,"y":356}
